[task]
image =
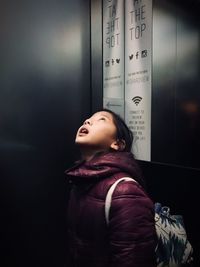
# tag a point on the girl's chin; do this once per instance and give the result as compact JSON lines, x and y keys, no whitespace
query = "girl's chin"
{"x":80,"y":142}
{"x":83,"y":144}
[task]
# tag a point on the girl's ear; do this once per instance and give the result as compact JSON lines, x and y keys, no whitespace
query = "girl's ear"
{"x":118,"y":145}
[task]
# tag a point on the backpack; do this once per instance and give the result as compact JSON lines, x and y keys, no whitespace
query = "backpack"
{"x":173,"y":248}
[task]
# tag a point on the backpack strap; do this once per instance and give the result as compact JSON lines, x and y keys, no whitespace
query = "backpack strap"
{"x":110,"y":193}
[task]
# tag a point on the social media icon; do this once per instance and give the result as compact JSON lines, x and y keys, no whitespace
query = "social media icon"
{"x":107,"y":63}
{"x":144,"y":53}
{"x":131,"y":57}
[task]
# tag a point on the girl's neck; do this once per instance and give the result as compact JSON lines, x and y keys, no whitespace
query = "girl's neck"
{"x":87,"y":154}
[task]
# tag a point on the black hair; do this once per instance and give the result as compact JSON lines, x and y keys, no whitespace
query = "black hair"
{"x":123,"y":132}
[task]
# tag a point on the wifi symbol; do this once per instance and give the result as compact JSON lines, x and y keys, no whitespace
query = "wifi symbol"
{"x":137,"y":99}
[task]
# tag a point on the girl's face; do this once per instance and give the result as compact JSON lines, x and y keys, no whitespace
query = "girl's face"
{"x":97,"y":133}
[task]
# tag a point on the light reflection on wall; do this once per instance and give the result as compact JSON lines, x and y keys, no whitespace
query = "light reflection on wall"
{"x":167,"y":25}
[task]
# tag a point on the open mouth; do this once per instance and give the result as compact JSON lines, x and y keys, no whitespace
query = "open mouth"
{"x":83,"y":131}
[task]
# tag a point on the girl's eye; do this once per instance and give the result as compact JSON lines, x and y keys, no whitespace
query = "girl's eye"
{"x":102,"y":119}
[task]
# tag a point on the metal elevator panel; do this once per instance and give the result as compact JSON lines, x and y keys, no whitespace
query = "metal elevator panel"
{"x":175,"y":96}
{"x":44,"y":96}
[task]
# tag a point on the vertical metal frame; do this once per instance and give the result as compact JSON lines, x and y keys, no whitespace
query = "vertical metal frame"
{"x":96,"y":56}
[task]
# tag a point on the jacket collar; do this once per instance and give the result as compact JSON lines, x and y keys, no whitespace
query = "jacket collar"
{"x":104,"y":165}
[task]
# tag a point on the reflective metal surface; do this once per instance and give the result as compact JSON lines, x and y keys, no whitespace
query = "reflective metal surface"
{"x":44,"y":96}
{"x":176,"y":85}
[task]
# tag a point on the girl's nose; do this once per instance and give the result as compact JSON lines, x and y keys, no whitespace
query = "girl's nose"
{"x":88,"y":121}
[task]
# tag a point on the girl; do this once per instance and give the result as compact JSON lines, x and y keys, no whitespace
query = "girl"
{"x":129,"y":239}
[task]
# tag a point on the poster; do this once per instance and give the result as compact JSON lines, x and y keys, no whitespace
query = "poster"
{"x":138,"y":58}
{"x":113,"y":55}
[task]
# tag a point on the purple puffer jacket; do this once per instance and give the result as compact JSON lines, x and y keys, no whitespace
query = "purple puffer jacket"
{"x":130,"y":238}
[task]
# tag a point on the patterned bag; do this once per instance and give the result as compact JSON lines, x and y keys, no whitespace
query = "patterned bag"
{"x":173,"y":248}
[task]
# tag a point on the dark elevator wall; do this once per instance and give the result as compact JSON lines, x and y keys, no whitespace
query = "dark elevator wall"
{"x":44,"y":96}
{"x":176,"y":84}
